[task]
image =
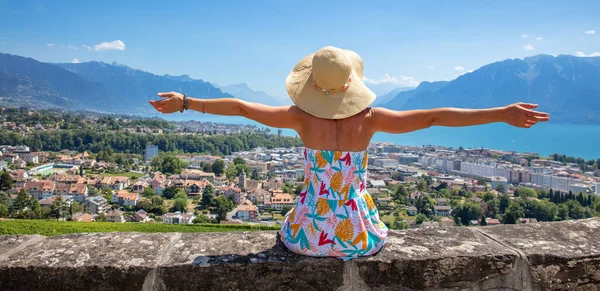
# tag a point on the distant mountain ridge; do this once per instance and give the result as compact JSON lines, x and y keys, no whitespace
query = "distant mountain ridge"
{"x":32,"y":82}
{"x":135,"y":87}
{"x":566,"y":86}
{"x":243,"y":91}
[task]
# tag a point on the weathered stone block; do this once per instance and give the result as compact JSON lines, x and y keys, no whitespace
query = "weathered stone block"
{"x":541,"y":256}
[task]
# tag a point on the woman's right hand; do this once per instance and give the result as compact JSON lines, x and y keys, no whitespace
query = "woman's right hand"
{"x":521,"y":115}
{"x":172,"y":102}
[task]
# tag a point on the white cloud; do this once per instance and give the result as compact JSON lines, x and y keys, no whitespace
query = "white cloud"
{"x":528,"y":47}
{"x":404,"y":81}
{"x":459,"y":68}
{"x":50,"y":44}
{"x":582,"y":54}
{"x":104,"y":46}
{"x":75,"y":61}
{"x":539,"y":38}
{"x":525,"y":35}
{"x":69,"y":46}
{"x":591,"y":32}
{"x":431,"y":68}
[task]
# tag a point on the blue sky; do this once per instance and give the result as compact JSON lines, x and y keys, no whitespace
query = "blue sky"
{"x":259,"y":42}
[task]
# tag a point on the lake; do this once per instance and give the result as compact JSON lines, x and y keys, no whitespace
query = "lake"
{"x":544,"y":138}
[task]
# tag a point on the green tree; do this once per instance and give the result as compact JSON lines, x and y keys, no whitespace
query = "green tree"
{"x":218,"y":167}
{"x":464,"y":213}
{"x":504,"y":203}
{"x":526,"y":192}
{"x":224,"y":205}
{"x":169,"y":192}
{"x":76,"y":207}
{"x":254,"y":175}
{"x":488,"y":196}
{"x":401,"y":193}
{"x":21,"y":201}
{"x":180,"y":194}
{"x":424,"y":205}
{"x":5,"y":199}
{"x":239,"y":161}
{"x":6,"y":181}
{"x":563,"y":212}
{"x":36,"y":211}
{"x":208,"y":197}
{"x":500,"y":188}
{"x":148,"y":192}
{"x":420,"y":218}
{"x":483,"y":221}
{"x":401,"y":224}
{"x":3,"y":210}
{"x":180,"y":205}
{"x":60,"y":208}
{"x":493,"y":208}
{"x":203,"y":219}
{"x":92,"y":191}
{"x":168,"y":164}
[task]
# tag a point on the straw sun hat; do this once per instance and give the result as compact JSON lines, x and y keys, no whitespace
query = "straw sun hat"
{"x":329,"y":84}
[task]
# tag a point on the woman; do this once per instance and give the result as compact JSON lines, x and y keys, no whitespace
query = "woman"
{"x":334,"y":214}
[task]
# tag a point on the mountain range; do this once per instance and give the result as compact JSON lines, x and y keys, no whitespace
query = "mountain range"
{"x":566,"y":86}
{"x":244,"y":92}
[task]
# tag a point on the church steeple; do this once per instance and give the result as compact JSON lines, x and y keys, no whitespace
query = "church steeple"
{"x":242,"y":179}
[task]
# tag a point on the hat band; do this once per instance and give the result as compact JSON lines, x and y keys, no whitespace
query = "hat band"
{"x":330,"y":91}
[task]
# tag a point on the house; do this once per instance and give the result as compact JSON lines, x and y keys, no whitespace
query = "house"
{"x":95,"y":205}
{"x":412,"y":211}
{"x":83,"y":217}
{"x":441,"y":201}
{"x":139,"y":186}
{"x":281,"y":200}
{"x":195,"y":187}
{"x":197,"y":175}
{"x":441,"y":210}
{"x":40,"y":189}
{"x":125,"y":198}
{"x":493,"y":221}
{"x":247,"y":211}
{"x":68,"y":179}
{"x":140,"y":216}
{"x":78,"y":191}
{"x":187,"y":218}
{"x":376,"y":183}
{"x":118,"y":183}
{"x":231,"y":190}
{"x":62,"y":189}
{"x":178,"y":218}
{"x":115,"y":216}
{"x":384,"y":201}
{"x":47,"y":202}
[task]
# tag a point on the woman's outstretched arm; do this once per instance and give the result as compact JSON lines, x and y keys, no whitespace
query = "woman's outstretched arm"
{"x":518,"y":114}
{"x":273,"y":116}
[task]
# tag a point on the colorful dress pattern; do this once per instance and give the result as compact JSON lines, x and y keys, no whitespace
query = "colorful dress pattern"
{"x":334,"y":215}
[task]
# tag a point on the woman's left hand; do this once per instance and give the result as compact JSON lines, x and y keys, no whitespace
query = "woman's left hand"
{"x":172,"y":102}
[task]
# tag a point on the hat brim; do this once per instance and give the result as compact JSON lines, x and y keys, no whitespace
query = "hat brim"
{"x":338,"y":105}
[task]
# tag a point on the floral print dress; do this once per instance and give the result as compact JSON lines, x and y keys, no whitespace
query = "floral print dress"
{"x":334,"y":215}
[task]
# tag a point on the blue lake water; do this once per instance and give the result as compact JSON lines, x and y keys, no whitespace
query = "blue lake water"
{"x":544,"y":138}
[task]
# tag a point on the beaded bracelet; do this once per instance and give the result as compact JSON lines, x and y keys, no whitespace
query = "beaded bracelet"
{"x":185,"y":104}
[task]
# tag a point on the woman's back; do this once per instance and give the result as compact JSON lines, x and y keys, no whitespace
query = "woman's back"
{"x":348,"y":134}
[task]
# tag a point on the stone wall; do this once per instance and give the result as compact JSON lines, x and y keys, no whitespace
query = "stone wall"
{"x":539,"y":256}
